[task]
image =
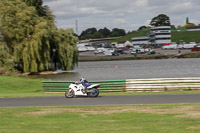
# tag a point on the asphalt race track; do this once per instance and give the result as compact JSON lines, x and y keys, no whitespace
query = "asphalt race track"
{"x":101,"y":100}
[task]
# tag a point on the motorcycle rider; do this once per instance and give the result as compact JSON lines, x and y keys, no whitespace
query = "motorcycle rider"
{"x":85,"y":83}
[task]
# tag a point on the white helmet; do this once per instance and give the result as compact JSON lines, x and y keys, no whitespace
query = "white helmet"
{"x":82,"y":79}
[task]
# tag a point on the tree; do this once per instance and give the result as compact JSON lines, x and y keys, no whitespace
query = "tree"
{"x":173,"y":27}
{"x":188,"y":24}
{"x":141,"y":28}
{"x":90,"y":30}
{"x":118,"y":32}
{"x":114,"y":34}
{"x":88,"y":33}
{"x":187,"y":21}
{"x":97,"y":35}
{"x":160,"y":20}
{"x":6,"y":59}
{"x":179,"y":27}
{"x":49,"y":14}
{"x":67,"y":52}
{"x":41,"y":11}
{"x":27,"y":37}
{"x":104,"y":32}
{"x":101,"y":33}
{"x":31,"y":38}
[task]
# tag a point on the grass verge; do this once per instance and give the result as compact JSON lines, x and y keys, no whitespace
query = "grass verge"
{"x":173,"y":118}
{"x":190,"y":55}
{"x":114,"y":58}
{"x":20,"y":86}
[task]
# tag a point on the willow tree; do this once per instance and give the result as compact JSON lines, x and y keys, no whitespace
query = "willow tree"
{"x":38,"y":4}
{"x":6,"y":59}
{"x":66,"y":48}
{"x":31,"y":37}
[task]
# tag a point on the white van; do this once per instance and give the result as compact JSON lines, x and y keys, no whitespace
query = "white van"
{"x":170,"y":46}
{"x":187,"y":45}
{"x":109,"y":51}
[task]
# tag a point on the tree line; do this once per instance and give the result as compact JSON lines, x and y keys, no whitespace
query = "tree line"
{"x":92,"y":33}
{"x":164,"y":20}
{"x":159,"y":20}
{"x":30,"y":40}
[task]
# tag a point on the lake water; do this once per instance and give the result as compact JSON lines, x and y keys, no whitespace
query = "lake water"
{"x":132,"y":69}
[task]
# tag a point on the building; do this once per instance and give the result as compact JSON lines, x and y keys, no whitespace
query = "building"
{"x":93,"y":44}
{"x":157,"y":36}
{"x":160,"y":35}
{"x":140,"y":40}
{"x":98,"y":41}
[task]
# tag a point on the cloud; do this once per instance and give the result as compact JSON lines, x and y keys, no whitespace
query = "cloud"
{"x":195,"y":21}
{"x":120,"y":21}
{"x":126,"y":14}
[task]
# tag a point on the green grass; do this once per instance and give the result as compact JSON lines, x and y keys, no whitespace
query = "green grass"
{"x":174,"y":118}
{"x":130,"y":35}
{"x":20,"y":86}
{"x":187,"y":36}
{"x":112,"y":58}
{"x":190,"y":55}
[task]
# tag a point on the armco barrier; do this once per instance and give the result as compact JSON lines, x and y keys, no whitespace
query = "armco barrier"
{"x":163,"y":84}
{"x":105,"y":86}
{"x":129,"y":85}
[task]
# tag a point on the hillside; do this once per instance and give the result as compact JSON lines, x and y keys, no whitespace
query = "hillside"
{"x":130,"y":35}
{"x":186,"y":36}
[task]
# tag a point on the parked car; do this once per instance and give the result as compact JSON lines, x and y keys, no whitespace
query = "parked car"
{"x":100,"y":50}
{"x":82,"y":49}
{"x":109,"y":51}
{"x":151,"y":51}
{"x":132,"y":51}
{"x":115,"y":53}
{"x":140,"y":51}
{"x":121,"y":51}
{"x":90,"y":48}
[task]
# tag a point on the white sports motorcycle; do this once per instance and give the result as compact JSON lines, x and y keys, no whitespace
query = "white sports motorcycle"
{"x":76,"y":89}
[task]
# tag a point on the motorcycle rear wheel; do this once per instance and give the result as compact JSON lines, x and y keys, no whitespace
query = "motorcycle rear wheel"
{"x":94,"y":92}
{"x":69,"y":94}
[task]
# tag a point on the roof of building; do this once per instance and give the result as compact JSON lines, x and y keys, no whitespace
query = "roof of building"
{"x":99,"y":39}
{"x":121,"y":42}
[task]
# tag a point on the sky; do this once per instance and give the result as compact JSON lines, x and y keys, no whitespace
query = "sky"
{"x":124,"y":14}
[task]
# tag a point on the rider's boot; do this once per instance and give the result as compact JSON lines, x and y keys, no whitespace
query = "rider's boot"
{"x":86,"y":89}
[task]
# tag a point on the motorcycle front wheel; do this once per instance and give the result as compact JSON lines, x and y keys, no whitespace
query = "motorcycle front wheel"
{"x":94,"y":92}
{"x":69,"y":94}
